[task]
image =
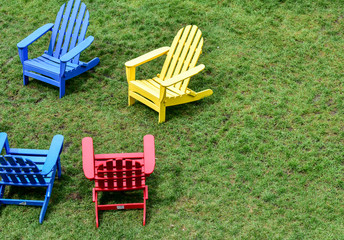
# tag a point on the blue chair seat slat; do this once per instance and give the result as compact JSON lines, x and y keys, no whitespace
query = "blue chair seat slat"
{"x":62,"y":30}
{"x":70,"y":27}
{"x":56,"y":65}
{"x":56,"y":60}
{"x":49,"y":68}
{"x":34,"y":65}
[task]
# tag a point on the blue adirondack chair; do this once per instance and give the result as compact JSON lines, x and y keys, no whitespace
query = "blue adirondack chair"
{"x":29,"y":168}
{"x":61,"y":61}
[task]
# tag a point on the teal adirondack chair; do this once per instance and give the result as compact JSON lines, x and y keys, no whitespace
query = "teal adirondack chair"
{"x":61,"y":61}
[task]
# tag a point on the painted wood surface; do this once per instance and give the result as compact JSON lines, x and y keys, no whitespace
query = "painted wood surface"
{"x":61,"y":61}
{"x":170,"y":87}
{"x":119,"y":172}
{"x":30,"y":168}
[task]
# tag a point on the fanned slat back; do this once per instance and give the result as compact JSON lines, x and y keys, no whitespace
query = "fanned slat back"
{"x":183,"y":55}
{"x":119,"y":173}
{"x":70,"y":27}
{"x":19,"y":170}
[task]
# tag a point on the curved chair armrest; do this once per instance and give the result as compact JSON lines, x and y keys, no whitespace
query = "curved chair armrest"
{"x":149,"y":154}
{"x":77,"y":49}
{"x":3,"y":141}
{"x":88,"y":157}
{"x":53,"y":154}
{"x":147,"y":57}
{"x":35,"y":35}
{"x":180,"y":77}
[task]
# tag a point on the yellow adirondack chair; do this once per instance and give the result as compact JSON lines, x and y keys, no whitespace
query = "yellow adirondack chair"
{"x":170,"y":87}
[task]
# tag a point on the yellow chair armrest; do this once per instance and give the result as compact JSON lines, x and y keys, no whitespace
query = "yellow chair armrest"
{"x":180,"y":77}
{"x":147,"y":57}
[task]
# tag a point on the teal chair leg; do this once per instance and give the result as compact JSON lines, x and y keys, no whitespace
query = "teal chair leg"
{"x":45,"y":204}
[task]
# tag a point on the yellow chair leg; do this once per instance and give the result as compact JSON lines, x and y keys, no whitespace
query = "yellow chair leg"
{"x":131,"y":100}
{"x":162,"y":113}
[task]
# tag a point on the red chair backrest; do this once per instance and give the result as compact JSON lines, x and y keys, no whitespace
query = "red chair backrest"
{"x":119,"y":174}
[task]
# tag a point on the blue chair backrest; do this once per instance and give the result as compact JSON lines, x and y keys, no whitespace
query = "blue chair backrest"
{"x":70,"y":27}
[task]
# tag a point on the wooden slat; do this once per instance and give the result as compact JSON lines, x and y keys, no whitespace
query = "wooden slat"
{"x":144,"y":100}
{"x":169,"y":92}
{"x":62,"y":30}
{"x":109,"y":168}
{"x":192,"y":58}
{"x":31,"y":178}
{"x":177,"y":52}
{"x":21,"y":169}
{"x":3,"y":162}
{"x":11,"y":173}
{"x":77,"y":26}
{"x":128,"y":173}
{"x":174,"y":92}
{"x":55,"y":30}
{"x":55,"y":64}
{"x":70,"y":27}
{"x":100,"y":157}
{"x":153,"y":92}
{"x":82,"y":34}
{"x":138,"y":172}
{"x":170,"y":54}
{"x":56,"y":60}
{"x":119,"y":175}
{"x":184,"y":54}
{"x":100,"y":174}
{"x":42,"y":78}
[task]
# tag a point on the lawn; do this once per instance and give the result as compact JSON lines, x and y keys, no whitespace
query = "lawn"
{"x":262,"y":158}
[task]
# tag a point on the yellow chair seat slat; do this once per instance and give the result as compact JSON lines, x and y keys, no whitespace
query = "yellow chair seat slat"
{"x":152,"y":88}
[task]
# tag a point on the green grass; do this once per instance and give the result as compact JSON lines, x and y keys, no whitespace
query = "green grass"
{"x":262,"y":158}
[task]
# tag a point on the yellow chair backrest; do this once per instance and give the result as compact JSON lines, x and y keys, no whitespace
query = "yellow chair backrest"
{"x":184,"y":53}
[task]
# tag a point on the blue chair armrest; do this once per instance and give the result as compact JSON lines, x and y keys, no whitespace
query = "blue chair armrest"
{"x":35,"y":35}
{"x":3,"y":140}
{"x":77,"y":50}
{"x":53,"y":154}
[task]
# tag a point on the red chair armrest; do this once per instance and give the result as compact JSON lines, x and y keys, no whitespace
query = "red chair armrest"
{"x":88,"y":157}
{"x":149,"y":154}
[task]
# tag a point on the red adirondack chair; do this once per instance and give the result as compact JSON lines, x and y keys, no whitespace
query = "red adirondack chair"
{"x":119,"y":172}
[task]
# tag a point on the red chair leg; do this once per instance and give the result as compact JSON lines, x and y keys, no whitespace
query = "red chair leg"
{"x":145,"y":196}
{"x":95,"y":197}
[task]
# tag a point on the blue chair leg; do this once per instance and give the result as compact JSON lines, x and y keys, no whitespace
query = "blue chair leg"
{"x":62,"y":87}
{"x":45,"y":204}
{"x":25,"y":80}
